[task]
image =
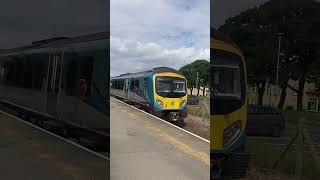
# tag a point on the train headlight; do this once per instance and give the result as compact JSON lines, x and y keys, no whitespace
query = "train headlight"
{"x":231,"y":133}
{"x":160,"y":103}
{"x":182,"y":103}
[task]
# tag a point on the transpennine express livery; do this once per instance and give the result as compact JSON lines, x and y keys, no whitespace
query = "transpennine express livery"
{"x":160,"y":91}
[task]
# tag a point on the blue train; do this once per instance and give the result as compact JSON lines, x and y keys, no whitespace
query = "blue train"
{"x":63,"y":79}
{"x":161,"y":91}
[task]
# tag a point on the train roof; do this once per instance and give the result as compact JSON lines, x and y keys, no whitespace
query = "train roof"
{"x":58,"y":41}
{"x":219,"y":36}
{"x":222,"y":40}
{"x":165,"y":69}
{"x":154,"y":71}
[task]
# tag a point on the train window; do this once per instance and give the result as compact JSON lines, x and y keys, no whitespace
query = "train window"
{"x":26,"y":71}
{"x":131,"y":85}
{"x":122,"y":84}
{"x":143,"y":85}
{"x":136,"y":86}
{"x":2,"y":73}
{"x":16,"y":76}
{"x":227,"y":82}
{"x":119,"y":84}
{"x":114,"y":84}
{"x":37,"y":72}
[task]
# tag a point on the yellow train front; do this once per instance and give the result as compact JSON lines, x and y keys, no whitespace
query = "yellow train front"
{"x":161,"y":91}
{"x":228,"y":109}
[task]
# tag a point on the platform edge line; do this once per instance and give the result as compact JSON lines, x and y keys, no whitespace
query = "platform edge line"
{"x":164,"y":121}
{"x":59,"y":137}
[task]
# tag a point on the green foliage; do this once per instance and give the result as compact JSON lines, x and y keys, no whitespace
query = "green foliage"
{"x":256,"y":32}
{"x":293,"y":116}
{"x":190,"y":71}
{"x":197,"y":111}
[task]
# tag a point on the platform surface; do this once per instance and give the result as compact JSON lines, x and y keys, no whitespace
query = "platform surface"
{"x":30,"y":154}
{"x":145,"y":148}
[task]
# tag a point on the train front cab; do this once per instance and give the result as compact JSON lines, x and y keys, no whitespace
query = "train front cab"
{"x":228,"y":111}
{"x":170,"y":95}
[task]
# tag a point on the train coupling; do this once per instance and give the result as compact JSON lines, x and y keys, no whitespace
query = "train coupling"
{"x":174,"y":116}
{"x":216,"y":168}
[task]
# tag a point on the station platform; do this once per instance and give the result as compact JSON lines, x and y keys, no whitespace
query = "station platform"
{"x":29,"y":153}
{"x":146,"y":148}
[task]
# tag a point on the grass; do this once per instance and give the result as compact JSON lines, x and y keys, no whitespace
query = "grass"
{"x":204,"y":98}
{"x":293,"y":116}
{"x":194,"y":110}
{"x":265,"y":155}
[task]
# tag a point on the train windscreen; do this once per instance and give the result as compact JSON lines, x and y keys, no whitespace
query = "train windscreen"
{"x":172,"y":87}
{"x":226,"y":82}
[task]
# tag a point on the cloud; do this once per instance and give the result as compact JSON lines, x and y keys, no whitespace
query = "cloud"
{"x":147,"y":34}
{"x":133,"y":56}
{"x":25,"y":21}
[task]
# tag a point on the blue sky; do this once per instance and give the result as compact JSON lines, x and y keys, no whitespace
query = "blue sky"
{"x":147,"y":34}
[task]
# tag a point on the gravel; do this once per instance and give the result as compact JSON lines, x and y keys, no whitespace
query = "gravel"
{"x":198,"y":125}
{"x":267,"y":174}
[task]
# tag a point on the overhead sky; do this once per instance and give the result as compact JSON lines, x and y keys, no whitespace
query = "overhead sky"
{"x":147,"y":33}
{"x":22,"y":22}
{"x":221,"y":10}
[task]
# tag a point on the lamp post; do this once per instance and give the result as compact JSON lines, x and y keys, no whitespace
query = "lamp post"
{"x":278,"y":60}
{"x":279,"y":48}
{"x":197,"y":79}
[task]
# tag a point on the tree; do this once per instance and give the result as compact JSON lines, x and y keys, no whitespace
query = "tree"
{"x":189,"y":73}
{"x":255,"y":30}
{"x":301,"y":27}
{"x":252,"y":33}
{"x":200,"y":67}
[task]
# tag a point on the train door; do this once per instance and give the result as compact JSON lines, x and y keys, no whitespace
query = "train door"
{"x":126,"y":89}
{"x":54,"y":82}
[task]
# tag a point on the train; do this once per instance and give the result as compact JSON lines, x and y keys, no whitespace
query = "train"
{"x":228,"y":108}
{"x":61,"y":79}
{"x":161,"y":91}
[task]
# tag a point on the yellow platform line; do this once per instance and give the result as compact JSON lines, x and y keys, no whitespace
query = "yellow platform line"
{"x":202,"y":156}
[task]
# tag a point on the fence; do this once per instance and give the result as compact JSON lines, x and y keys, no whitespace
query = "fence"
{"x":302,"y":138}
{"x":202,"y":110}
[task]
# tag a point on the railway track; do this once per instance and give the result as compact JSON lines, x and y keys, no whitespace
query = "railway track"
{"x":288,"y":134}
{"x":85,"y":142}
